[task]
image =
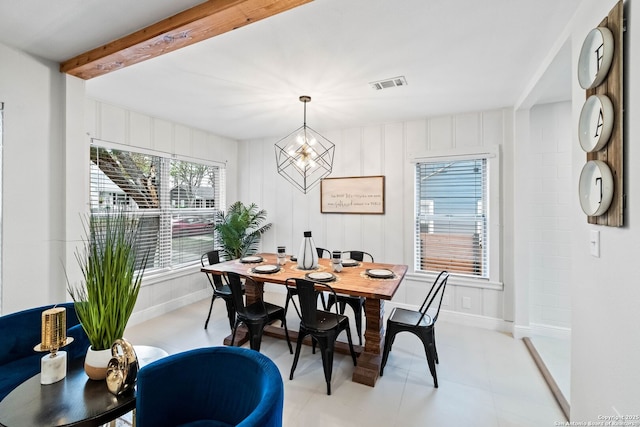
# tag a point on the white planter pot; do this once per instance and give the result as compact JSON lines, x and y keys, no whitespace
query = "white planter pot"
{"x":95,"y":363}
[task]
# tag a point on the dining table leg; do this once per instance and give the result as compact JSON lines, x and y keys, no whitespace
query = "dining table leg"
{"x":368,"y":368}
{"x":254,"y":291}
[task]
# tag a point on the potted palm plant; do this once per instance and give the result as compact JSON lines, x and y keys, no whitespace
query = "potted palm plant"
{"x":112,"y":271}
{"x":240,"y":229}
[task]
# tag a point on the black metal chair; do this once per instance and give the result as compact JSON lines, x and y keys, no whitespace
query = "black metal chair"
{"x":322,"y":252}
{"x":220,"y":289}
{"x":356,"y":303}
{"x":420,"y":323}
{"x":323,"y":326}
{"x":358,"y":255}
{"x":254,"y":316}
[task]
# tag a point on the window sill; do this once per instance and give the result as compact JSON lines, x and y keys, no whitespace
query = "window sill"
{"x":164,"y":275}
{"x":456,"y":280}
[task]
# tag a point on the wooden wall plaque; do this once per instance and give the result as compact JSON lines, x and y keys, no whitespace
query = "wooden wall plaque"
{"x":613,"y":152}
{"x":352,"y":195}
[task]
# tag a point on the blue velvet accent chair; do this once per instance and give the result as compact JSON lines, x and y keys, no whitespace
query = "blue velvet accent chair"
{"x":213,"y":386}
{"x":20,"y":332}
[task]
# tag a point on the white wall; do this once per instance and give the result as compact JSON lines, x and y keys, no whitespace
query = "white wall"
{"x":549,"y":194}
{"x":605,"y":366}
{"x":33,"y":181}
{"x":385,"y":149}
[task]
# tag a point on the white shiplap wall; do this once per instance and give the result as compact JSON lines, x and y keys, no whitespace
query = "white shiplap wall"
{"x":384,"y":149}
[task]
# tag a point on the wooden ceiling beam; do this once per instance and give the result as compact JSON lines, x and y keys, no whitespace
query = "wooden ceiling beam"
{"x":199,"y":23}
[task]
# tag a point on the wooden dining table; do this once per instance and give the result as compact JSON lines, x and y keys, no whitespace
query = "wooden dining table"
{"x":352,"y":281}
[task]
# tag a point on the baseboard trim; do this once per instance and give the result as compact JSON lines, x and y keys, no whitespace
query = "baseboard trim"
{"x":520,"y":332}
{"x":551,"y":331}
{"x":553,"y":386}
{"x":465,"y":319}
{"x":164,"y":308}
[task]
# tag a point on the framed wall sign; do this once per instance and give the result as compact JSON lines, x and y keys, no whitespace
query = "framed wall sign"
{"x":352,"y":195}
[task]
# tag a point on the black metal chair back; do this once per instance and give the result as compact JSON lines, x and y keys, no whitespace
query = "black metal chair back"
{"x":308,"y":292}
{"x":212,"y":257}
{"x":220,"y":290}
{"x":356,"y":303}
{"x":322,"y":252}
{"x":256,"y":315}
{"x":237,"y":296}
{"x":436,"y":292}
{"x":323,"y":326}
{"x":359,"y":255}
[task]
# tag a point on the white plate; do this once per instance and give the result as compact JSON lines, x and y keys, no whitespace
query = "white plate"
{"x":267,"y":268}
{"x":251,"y":259}
{"x":596,"y":123}
{"x":321,"y":276}
{"x":595,"y":57}
{"x":595,"y":187}
{"x":380,"y":273}
{"x":349,"y":262}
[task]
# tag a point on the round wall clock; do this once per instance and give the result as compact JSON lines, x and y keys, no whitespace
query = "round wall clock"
{"x":596,"y":123}
{"x":595,"y":187}
{"x":595,"y":57}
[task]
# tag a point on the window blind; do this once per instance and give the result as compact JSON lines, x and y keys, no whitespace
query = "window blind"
{"x":451,"y":217}
{"x":174,"y":200}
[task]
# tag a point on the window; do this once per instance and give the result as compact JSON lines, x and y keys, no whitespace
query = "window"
{"x":452,"y":216}
{"x":175,"y":199}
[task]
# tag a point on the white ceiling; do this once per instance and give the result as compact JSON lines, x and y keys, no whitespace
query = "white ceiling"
{"x":457,"y":56}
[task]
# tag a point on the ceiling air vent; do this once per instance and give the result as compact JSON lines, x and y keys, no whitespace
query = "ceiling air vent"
{"x":386,"y":84}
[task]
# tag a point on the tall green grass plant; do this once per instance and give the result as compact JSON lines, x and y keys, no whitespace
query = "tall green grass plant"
{"x":105,"y":300}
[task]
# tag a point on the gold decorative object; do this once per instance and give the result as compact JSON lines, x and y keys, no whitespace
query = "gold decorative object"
{"x":122,"y":370}
{"x":53,"y":367}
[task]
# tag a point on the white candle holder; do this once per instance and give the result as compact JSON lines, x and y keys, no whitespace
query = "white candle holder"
{"x":282,"y":256}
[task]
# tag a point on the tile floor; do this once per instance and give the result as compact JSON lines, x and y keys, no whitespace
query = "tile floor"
{"x":486,"y":378}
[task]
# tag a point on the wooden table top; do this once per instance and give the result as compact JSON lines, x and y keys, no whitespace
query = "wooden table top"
{"x":351,"y":280}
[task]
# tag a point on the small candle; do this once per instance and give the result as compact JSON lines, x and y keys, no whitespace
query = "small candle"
{"x":54,"y":329}
{"x":281,"y":255}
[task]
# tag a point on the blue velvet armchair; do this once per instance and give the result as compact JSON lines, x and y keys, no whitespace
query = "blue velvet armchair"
{"x":20,"y":332}
{"x":214,"y":386}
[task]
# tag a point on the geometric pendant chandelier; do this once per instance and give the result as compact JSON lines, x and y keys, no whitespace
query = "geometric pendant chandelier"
{"x":304,"y":156}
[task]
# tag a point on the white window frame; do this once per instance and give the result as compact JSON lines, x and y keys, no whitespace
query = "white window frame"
{"x":494,"y":213}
